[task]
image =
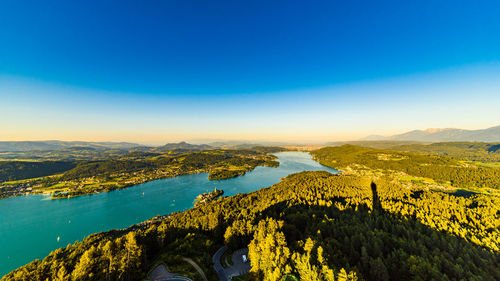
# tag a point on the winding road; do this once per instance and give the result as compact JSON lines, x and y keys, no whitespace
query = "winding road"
{"x":197,"y":267}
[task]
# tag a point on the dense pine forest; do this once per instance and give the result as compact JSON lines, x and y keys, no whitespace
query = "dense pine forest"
{"x":313,"y":225}
{"x":364,"y":224}
{"x":442,"y":169}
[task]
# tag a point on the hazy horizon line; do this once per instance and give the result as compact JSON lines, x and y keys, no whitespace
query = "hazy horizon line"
{"x":209,"y":140}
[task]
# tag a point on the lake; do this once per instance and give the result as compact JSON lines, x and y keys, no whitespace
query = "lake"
{"x":32,"y":226}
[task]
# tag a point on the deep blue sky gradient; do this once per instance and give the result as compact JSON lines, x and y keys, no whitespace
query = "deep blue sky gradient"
{"x":227,"y":47}
{"x":201,"y":50}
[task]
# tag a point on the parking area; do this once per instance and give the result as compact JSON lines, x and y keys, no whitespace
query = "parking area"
{"x":240,"y":264}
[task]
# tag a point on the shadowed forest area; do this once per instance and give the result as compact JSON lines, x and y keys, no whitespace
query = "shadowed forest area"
{"x":313,"y":225}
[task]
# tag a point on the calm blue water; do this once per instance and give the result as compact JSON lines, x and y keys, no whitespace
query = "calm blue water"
{"x":30,"y":225}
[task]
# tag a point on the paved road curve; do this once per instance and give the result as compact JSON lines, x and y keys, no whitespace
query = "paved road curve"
{"x":218,"y":266}
{"x":197,"y":267}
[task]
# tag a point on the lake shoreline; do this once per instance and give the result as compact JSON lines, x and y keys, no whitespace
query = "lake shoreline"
{"x":74,"y":219}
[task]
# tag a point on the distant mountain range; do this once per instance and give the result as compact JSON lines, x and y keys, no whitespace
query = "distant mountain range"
{"x":79,"y":150}
{"x":429,"y":135}
{"x":442,"y":135}
{"x":56,"y":145}
{"x":244,"y":144}
{"x":52,"y":145}
{"x":239,"y":144}
{"x":184,"y":146}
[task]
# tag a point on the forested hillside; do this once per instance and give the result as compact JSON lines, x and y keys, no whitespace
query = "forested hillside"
{"x":439,"y":168}
{"x":473,"y":151}
{"x":313,"y":225}
{"x":86,"y":177}
{"x":16,"y":170}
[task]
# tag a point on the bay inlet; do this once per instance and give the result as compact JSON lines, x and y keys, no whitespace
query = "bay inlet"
{"x":32,"y":226}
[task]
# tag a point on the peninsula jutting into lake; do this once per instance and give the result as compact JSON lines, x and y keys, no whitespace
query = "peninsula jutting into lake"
{"x":120,"y":169}
{"x":249,"y":140}
{"x":73,"y":219}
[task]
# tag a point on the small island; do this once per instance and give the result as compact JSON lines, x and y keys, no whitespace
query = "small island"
{"x":224,"y":174}
{"x":208,"y":197}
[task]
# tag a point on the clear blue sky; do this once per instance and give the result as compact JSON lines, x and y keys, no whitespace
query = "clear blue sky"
{"x":154,"y":71}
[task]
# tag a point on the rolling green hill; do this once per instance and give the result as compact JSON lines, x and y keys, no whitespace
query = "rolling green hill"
{"x":473,"y":151}
{"x":18,"y":170}
{"x":442,"y":169}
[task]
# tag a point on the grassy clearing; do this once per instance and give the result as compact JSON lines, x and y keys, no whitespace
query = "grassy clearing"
{"x":426,"y":182}
{"x":490,"y":165}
